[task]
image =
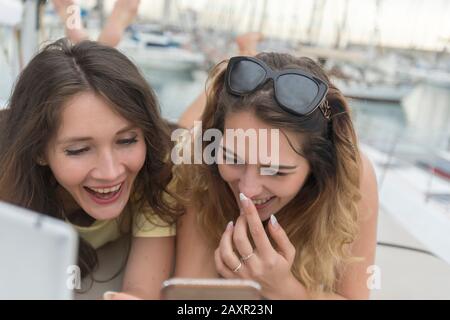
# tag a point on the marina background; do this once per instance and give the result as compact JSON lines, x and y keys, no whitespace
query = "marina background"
{"x":390,"y":58}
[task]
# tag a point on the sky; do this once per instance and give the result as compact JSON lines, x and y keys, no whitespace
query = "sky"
{"x":420,"y":24}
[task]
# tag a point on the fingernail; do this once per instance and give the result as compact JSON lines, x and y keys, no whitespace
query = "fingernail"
{"x":109,"y":295}
{"x":230,"y":225}
{"x":243,"y":199}
{"x":273,"y":221}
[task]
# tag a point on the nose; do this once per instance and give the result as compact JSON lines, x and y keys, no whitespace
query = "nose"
{"x":108,"y":167}
{"x":250,"y":182}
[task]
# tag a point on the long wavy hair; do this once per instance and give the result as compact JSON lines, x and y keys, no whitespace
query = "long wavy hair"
{"x":321,"y":221}
{"x":54,"y":75}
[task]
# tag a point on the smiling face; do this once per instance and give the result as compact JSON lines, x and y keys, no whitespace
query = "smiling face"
{"x":270,"y":193}
{"x":96,"y":155}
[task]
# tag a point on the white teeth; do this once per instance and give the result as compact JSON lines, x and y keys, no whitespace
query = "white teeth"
{"x":261,"y":201}
{"x":107,"y":190}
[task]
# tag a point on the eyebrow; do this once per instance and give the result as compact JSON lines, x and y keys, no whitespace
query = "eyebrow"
{"x":281,"y":166}
{"x":83,"y":139}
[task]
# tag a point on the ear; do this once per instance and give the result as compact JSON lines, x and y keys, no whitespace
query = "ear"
{"x":41,"y":161}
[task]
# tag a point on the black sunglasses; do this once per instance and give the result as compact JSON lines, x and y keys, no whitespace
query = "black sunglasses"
{"x":296,"y":91}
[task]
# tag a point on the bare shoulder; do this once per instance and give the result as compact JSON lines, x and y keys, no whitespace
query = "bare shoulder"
{"x":368,"y":188}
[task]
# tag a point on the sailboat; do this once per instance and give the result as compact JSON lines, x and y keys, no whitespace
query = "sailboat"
{"x":157,"y":46}
{"x":368,"y":83}
{"x":365,"y":80}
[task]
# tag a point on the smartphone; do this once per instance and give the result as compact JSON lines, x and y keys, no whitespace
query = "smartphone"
{"x":210,"y":289}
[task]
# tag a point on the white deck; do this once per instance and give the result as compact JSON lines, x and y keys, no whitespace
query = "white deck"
{"x":408,"y":274}
{"x":402,"y":192}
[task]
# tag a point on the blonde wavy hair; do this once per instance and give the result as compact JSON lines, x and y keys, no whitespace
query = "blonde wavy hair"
{"x":322,"y":220}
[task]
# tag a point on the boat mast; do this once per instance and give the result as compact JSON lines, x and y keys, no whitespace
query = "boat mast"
{"x":341,"y":28}
{"x":251,"y":20}
{"x":315,"y":24}
{"x":101,"y":12}
{"x":376,"y":30}
{"x":167,"y":8}
{"x":262,"y":22}
{"x":29,"y":30}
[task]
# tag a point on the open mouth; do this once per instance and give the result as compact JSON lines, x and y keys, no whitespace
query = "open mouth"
{"x":262,"y":203}
{"x":104,"y":194}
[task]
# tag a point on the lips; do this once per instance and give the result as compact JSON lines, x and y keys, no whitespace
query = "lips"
{"x":106,"y":190}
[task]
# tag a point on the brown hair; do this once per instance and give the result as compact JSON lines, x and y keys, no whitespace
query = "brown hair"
{"x":321,"y":221}
{"x":54,"y":75}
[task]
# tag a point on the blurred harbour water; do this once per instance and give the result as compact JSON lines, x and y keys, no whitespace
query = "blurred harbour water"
{"x":175,"y":90}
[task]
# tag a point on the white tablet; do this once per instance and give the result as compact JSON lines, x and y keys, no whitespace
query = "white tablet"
{"x":37,"y":255}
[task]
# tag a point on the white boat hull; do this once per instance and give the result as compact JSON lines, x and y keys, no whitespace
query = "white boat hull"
{"x":373,"y":92}
{"x":173,"y":59}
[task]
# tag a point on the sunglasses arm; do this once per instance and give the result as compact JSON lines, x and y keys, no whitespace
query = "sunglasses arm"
{"x":326,"y":110}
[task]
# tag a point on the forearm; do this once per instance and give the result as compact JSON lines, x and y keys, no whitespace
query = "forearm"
{"x":195,"y":265}
{"x":194,"y":258}
{"x":150,"y":263}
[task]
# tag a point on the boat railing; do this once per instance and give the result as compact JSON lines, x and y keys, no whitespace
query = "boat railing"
{"x":420,"y":157}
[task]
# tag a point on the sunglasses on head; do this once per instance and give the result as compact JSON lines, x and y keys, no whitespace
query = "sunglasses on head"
{"x":296,"y":91}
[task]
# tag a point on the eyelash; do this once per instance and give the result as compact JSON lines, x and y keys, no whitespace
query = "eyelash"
{"x":75,"y":152}
{"x":128,"y":141}
{"x":80,"y":151}
{"x":279,"y":174}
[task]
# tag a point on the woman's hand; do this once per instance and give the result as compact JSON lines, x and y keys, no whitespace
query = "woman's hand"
{"x":270,"y":267}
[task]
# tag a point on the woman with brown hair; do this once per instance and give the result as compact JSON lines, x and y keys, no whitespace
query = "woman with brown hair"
{"x":83,"y":141}
{"x":308,"y":228}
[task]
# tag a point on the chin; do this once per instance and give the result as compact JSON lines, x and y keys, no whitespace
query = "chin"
{"x":104,"y":214}
{"x":101,"y":213}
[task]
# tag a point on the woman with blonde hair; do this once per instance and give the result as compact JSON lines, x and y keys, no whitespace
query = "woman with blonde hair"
{"x":305,"y":230}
